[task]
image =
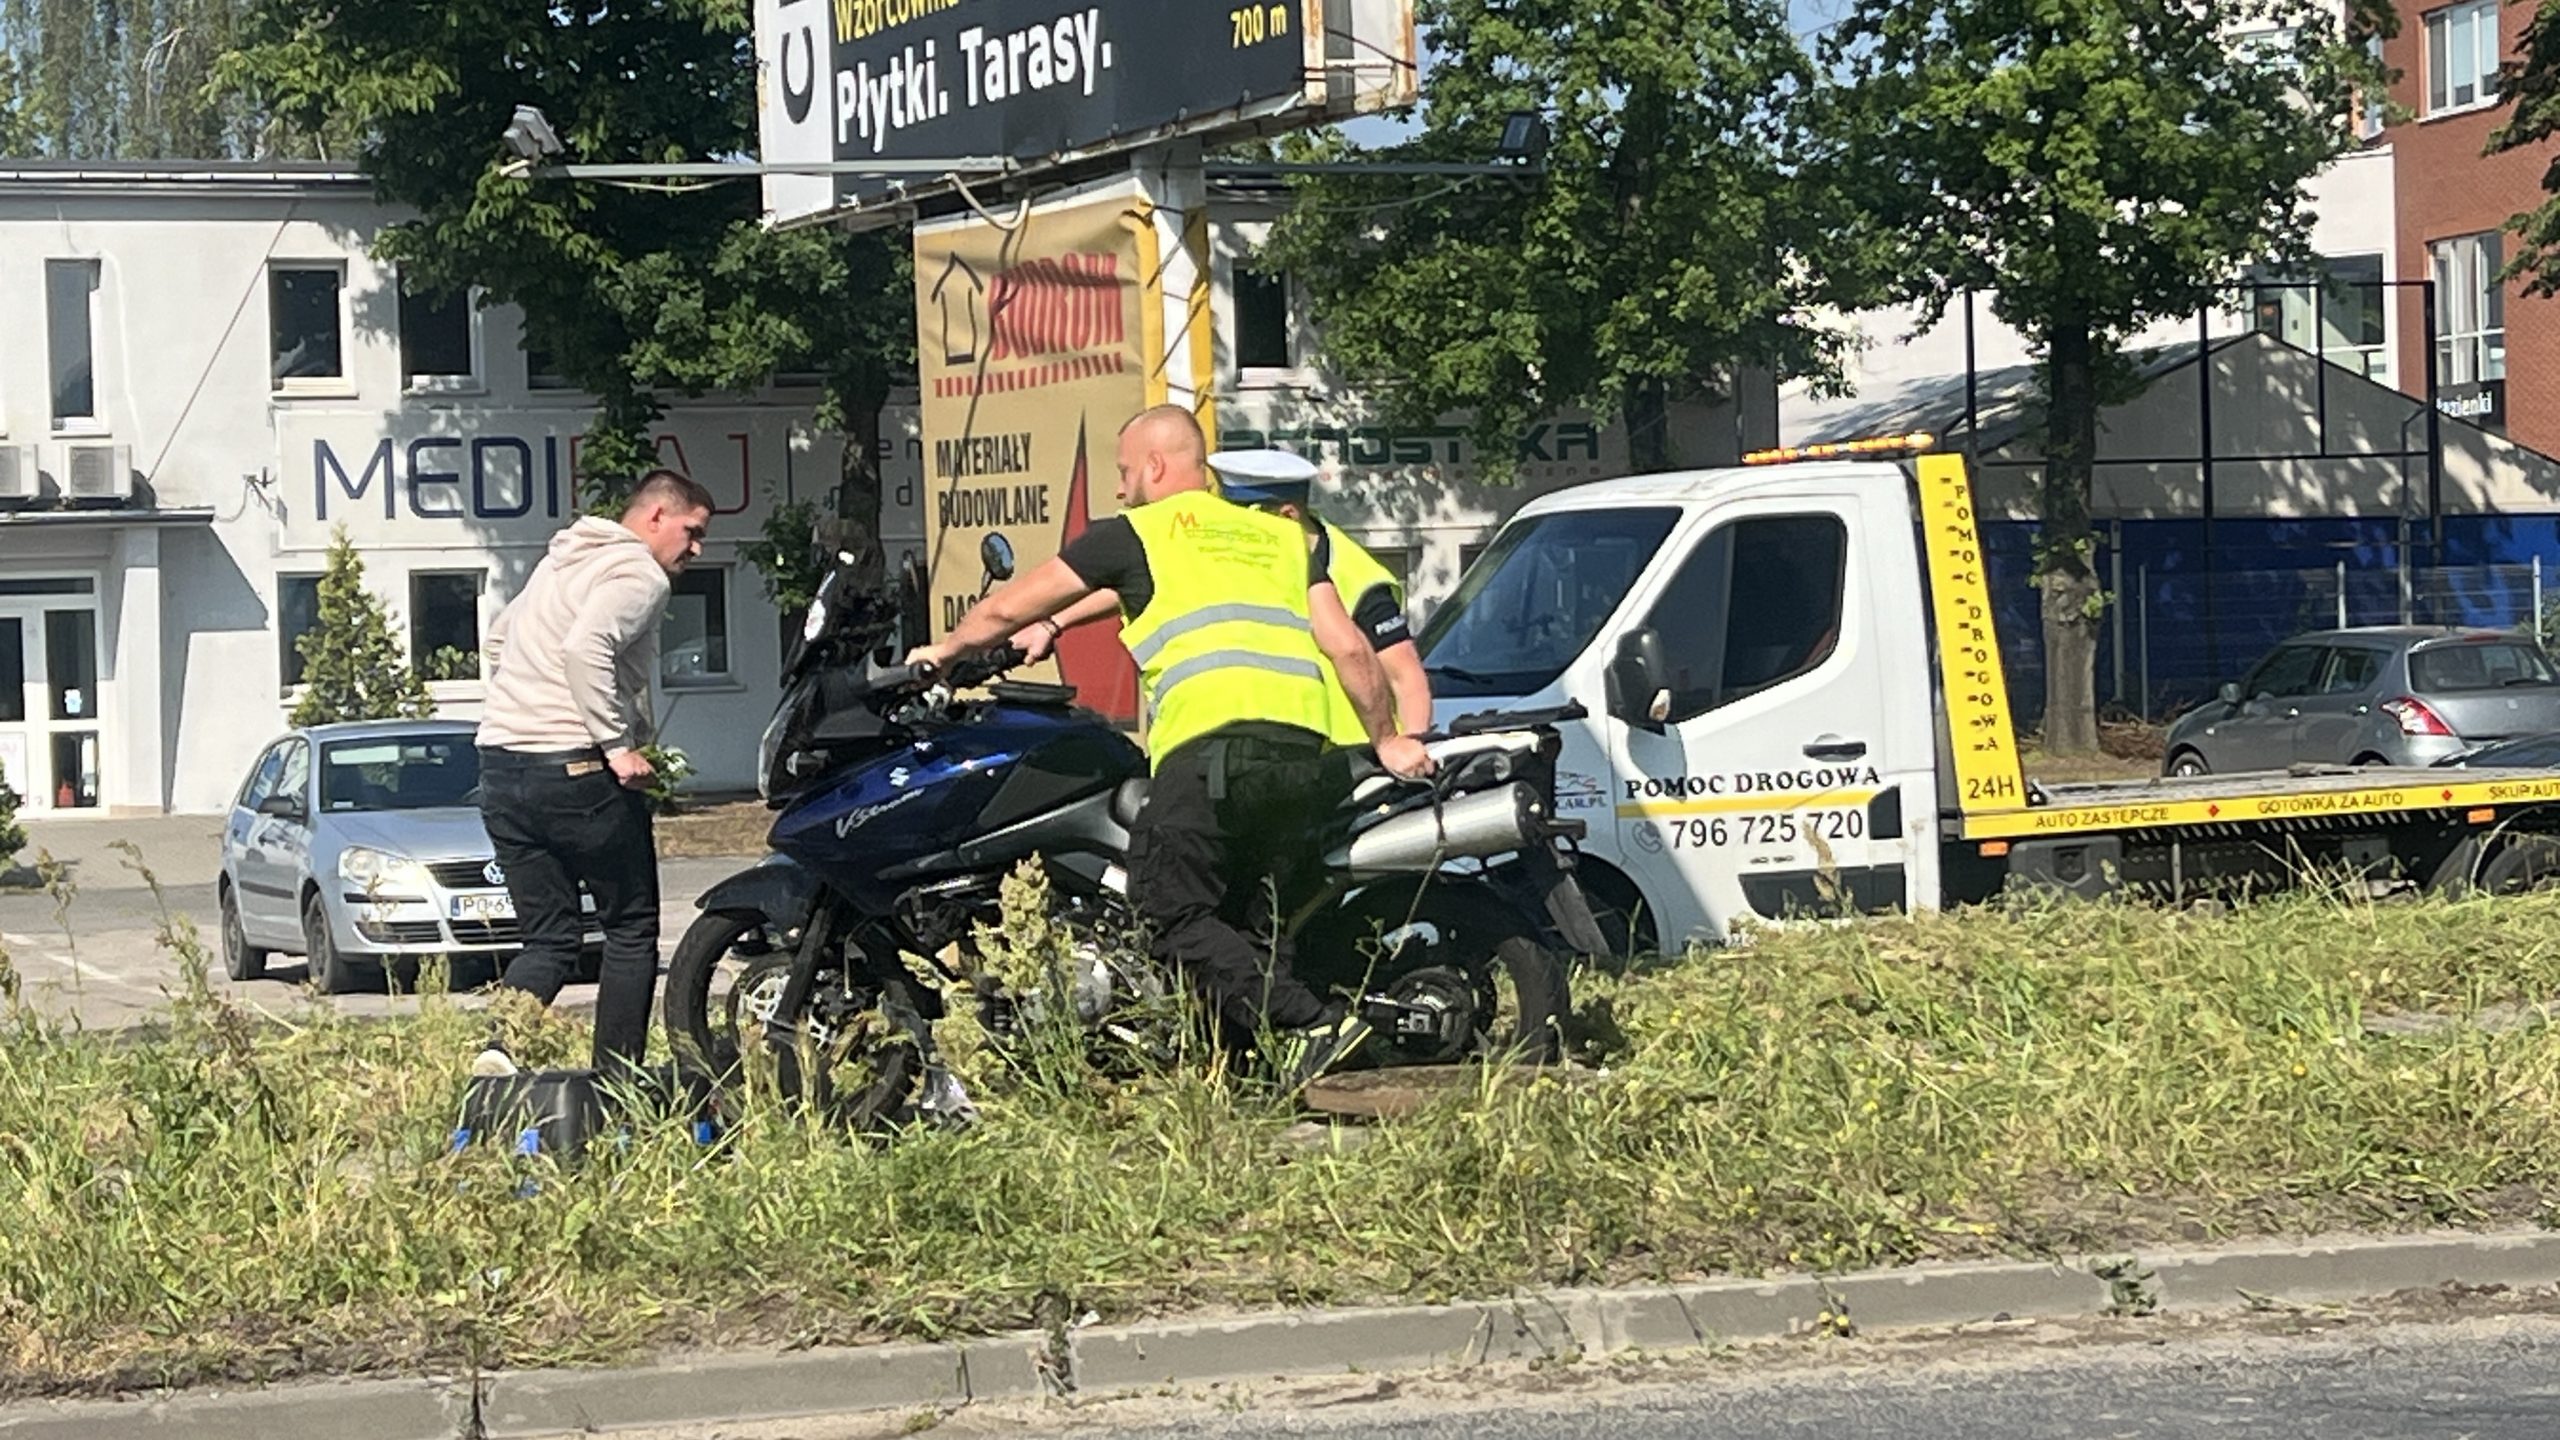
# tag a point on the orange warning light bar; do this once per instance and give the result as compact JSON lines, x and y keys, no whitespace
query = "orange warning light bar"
{"x":1911,"y":443}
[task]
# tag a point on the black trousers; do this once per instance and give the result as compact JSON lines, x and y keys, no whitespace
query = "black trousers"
{"x":553,"y":830}
{"x":1227,"y":821}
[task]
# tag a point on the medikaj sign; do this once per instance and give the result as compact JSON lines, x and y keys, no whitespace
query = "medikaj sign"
{"x":508,"y":477}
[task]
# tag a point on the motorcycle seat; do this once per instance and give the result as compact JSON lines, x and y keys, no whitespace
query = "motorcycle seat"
{"x":1128,"y":800}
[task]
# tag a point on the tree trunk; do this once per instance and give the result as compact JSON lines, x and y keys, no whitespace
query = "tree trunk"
{"x":1648,"y":428}
{"x":2064,"y":577}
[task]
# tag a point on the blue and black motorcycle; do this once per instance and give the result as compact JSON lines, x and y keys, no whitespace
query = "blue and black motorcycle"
{"x":903,"y":805}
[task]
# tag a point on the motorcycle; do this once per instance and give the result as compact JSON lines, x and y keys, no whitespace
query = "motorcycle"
{"x":901,"y":808}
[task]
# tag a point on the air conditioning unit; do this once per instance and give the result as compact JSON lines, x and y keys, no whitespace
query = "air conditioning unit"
{"x":98,"y":473}
{"x":19,"y":482}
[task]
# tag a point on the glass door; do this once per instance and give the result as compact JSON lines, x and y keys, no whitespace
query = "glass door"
{"x":50,"y":725}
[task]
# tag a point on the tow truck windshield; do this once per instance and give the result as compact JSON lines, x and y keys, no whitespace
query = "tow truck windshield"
{"x":1537,"y":597}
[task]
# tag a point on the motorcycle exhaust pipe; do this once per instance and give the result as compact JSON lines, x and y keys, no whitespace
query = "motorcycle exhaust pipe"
{"x":1489,"y":822}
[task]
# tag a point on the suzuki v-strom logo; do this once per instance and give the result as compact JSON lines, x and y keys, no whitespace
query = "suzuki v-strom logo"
{"x":899,"y":777}
{"x":853,"y":820}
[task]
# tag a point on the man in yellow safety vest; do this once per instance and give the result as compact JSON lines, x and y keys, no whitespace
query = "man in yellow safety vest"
{"x":1231,"y":622}
{"x":1282,"y":483}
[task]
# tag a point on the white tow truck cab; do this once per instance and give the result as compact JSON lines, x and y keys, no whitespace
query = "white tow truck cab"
{"x":1796,"y":709}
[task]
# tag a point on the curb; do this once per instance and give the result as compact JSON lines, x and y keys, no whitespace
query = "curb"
{"x":1555,"y":1325}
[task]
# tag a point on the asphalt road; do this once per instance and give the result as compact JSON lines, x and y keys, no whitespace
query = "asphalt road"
{"x":2487,"y":1375}
{"x":100,"y":958}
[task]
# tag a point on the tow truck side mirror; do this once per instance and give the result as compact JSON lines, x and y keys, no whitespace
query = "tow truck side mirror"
{"x":1637,"y":694}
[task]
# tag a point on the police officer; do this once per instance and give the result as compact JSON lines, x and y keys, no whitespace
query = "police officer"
{"x":1231,"y":621}
{"x":1281,"y":483}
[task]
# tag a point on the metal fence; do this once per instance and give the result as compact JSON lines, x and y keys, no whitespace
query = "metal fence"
{"x":2175,"y":636}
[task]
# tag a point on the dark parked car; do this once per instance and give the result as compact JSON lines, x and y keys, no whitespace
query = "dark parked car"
{"x":2377,"y":695}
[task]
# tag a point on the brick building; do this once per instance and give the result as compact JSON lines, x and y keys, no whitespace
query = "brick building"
{"x":2497,"y":351}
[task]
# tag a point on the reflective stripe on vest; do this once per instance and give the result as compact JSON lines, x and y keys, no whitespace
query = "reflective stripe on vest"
{"x":1225,"y":637}
{"x":1355,"y":573}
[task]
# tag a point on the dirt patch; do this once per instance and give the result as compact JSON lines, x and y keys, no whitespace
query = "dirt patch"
{"x":736,"y":827}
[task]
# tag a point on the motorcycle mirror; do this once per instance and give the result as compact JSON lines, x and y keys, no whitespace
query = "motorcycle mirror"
{"x":995,"y":553}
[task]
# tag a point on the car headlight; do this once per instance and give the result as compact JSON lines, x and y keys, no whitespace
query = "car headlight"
{"x":378,"y":872}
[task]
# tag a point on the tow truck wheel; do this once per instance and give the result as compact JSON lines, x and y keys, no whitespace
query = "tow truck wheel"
{"x":2528,"y":862}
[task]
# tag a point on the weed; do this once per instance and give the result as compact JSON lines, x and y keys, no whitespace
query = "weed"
{"x":232,"y":1198}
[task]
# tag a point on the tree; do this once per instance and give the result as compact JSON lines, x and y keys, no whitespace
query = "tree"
{"x":130,"y":80}
{"x":1664,"y":245}
{"x":352,"y":668}
{"x":631,"y":290}
{"x":2097,"y":166}
{"x":2531,"y":83}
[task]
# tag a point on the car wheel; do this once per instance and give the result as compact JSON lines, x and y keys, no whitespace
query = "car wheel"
{"x":240,"y":959}
{"x":2187,"y":764}
{"x":329,"y":968}
{"x":2370,"y":761}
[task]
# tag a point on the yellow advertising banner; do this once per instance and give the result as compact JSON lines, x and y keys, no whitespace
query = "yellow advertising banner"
{"x":1035,"y":342}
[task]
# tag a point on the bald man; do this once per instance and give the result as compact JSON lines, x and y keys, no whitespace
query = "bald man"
{"x":1230,"y":620}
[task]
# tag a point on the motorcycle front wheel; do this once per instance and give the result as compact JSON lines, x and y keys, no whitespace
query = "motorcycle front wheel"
{"x":842,"y":1053}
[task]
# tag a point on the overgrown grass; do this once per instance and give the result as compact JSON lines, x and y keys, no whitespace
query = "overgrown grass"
{"x":227,"y":1199}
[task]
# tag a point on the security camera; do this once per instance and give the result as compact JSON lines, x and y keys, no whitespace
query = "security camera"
{"x":530,"y":136}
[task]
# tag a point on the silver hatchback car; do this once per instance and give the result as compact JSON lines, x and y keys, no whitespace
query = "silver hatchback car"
{"x":2375,"y":695}
{"x":360,"y":848}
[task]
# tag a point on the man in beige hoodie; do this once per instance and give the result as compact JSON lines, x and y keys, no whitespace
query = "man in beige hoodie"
{"x":561,"y":767}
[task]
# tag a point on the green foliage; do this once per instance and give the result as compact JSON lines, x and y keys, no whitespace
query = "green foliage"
{"x":450,"y":662}
{"x":631,"y":291}
{"x":2094,"y":167}
{"x":1668,"y":241}
{"x":352,"y":666}
{"x":786,"y":556}
{"x":2531,"y":82}
{"x":129,"y":80}
{"x":2080,"y":1079}
{"x":669,"y":768}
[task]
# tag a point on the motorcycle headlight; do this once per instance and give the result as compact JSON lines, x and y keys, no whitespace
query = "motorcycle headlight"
{"x":379,"y":872}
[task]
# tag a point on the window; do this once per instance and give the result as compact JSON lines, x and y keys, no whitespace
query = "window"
{"x":2373,"y":115}
{"x":2286,"y":672}
{"x":399,"y":772}
{"x":1468,"y":555}
{"x":2462,"y":56}
{"x":297,"y":614}
{"x":1756,"y":604}
{"x":2270,"y":47}
{"x":2344,"y":307}
{"x":439,"y":348}
{"x":71,"y":662}
{"x":305,"y":324}
{"x":2350,"y":671}
{"x":1545,"y":588}
{"x":1398,"y":561}
{"x":1263,"y":338}
{"x":70,"y":303}
{"x":296,"y":779}
{"x":444,"y":623}
{"x":262,"y":780}
{"x":2471,"y":309}
{"x":13,"y":672}
{"x":693,"y":641}
{"x":538,"y":371}
{"x":2472,"y":666}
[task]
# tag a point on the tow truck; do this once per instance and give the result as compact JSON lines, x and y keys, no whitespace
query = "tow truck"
{"x":1793,"y":707}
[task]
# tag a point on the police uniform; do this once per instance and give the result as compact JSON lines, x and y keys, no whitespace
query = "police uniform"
{"x":1214,"y":609}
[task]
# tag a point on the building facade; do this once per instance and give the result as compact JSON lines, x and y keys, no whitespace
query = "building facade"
{"x":211,"y":376}
{"x":2496,"y":350}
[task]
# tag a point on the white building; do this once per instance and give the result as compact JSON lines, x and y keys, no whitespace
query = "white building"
{"x":213,"y":374}
{"x":2357,"y":318}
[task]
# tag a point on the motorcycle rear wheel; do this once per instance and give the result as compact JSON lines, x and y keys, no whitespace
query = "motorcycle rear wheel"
{"x":1387,"y":935}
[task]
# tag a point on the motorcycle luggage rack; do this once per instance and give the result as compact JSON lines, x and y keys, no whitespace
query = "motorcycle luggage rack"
{"x":1032,"y":692}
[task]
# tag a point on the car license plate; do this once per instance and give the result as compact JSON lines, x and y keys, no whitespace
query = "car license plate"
{"x":498,"y":905}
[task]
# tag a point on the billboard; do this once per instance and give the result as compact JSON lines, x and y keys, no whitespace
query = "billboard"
{"x":1038,"y":82}
{"x":1033,"y":346}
